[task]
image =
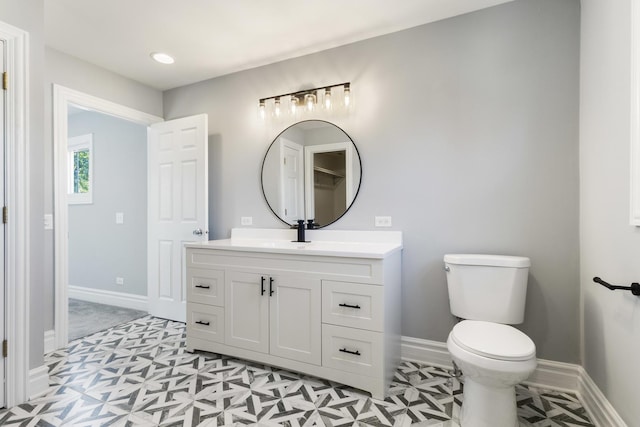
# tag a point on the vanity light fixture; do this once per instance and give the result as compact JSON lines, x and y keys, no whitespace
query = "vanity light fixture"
{"x":347,"y":94}
{"x":310,"y":99}
{"x":276,"y":107}
{"x":162,"y":58}
{"x":327,"y":98}
{"x":262,"y":110}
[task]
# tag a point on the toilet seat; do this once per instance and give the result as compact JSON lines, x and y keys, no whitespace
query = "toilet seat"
{"x":493,"y":340}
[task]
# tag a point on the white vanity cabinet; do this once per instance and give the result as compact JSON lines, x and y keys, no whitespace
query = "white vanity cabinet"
{"x":275,"y":314}
{"x":329,"y":308}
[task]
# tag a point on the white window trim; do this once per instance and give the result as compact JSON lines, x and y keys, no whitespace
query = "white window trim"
{"x":79,"y":143}
{"x":634,"y":204}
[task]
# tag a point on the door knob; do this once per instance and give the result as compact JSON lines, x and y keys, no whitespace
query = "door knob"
{"x":197,"y":232}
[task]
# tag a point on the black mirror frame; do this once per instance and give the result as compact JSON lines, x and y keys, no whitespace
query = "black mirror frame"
{"x":271,"y":145}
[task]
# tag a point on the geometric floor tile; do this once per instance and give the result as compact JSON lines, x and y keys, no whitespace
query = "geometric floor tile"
{"x":139,"y":374}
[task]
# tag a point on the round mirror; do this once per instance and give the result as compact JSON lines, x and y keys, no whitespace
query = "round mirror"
{"x":312,"y":170}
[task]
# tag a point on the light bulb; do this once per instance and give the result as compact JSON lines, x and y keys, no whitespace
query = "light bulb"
{"x":327,"y":98}
{"x":347,"y":95}
{"x":310,"y":100}
{"x":276,"y":107}
{"x":262,"y":109}
{"x":294,"y":104}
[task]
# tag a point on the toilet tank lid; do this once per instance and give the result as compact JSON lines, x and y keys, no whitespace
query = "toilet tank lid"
{"x":490,"y":260}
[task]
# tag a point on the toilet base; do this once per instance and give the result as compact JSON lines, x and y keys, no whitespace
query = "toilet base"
{"x":488,"y":406}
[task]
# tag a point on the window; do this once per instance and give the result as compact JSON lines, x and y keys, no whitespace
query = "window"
{"x":80,"y":169}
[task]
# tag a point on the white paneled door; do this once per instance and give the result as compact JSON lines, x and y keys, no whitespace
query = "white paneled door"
{"x":177,"y":208}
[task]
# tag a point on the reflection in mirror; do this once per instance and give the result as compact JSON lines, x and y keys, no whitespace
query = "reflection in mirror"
{"x":312,"y":170}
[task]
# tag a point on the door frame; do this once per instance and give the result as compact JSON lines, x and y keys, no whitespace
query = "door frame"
{"x":309,"y":190}
{"x":62,"y":97}
{"x":17,"y":273}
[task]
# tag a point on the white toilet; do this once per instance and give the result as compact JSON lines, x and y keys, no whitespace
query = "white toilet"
{"x":489,"y":292}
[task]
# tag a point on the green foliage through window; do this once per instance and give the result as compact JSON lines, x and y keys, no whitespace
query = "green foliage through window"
{"x":81,"y":171}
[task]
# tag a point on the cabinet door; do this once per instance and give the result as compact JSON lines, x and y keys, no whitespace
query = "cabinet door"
{"x":295,"y":319}
{"x":247,"y":311}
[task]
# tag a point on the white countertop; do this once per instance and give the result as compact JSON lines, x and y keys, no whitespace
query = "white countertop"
{"x":340,"y":243}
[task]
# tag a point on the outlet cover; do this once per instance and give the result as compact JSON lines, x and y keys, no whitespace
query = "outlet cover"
{"x":246,"y":220}
{"x":383,"y":221}
{"x":119,"y":217}
{"x":119,"y":280}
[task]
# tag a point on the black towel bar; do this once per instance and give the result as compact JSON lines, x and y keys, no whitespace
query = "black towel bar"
{"x":634,"y":288}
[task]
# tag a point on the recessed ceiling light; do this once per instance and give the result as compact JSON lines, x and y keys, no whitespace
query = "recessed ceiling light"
{"x":162,"y":58}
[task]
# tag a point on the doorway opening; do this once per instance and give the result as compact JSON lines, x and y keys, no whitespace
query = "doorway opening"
{"x":107,"y":223}
{"x":72,"y":166}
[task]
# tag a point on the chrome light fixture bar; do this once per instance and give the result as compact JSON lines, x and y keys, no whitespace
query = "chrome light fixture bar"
{"x":307,"y":99}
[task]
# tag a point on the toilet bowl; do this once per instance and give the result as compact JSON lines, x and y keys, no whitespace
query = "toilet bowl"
{"x":493,"y":358}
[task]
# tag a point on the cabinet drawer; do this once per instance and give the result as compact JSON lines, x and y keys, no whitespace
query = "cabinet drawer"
{"x":205,"y":322}
{"x":205,"y":286}
{"x":353,"y":304}
{"x":352,"y":350}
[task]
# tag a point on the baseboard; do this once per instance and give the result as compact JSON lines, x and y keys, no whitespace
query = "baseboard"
{"x":602,"y":413}
{"x":555,"y":376}
{"x":548,"y":374}
{"x":49,"y":341}
{"x":38,"y":381}
{"x":119,"y":299}
{"x":433,"y":353}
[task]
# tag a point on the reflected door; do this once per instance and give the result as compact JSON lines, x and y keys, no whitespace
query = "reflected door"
{"x":292,"y":179}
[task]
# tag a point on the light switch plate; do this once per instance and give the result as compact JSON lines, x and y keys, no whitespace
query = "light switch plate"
{"x":119,"y":280}
{"x":246,"y":220}
{"x":48,"y":221}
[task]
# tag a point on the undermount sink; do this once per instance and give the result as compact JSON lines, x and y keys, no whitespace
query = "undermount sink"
{"x":365,"y":244}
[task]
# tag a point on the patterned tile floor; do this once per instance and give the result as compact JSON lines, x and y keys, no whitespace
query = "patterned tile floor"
{"x":139,"y":374}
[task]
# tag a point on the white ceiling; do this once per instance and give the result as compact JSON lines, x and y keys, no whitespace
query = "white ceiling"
{"x":209,"y":38}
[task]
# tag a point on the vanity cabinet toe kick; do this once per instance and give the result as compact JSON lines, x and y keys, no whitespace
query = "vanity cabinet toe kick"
{"x":336,"y":318}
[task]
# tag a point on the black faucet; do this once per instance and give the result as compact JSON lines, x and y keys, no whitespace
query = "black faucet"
{"x":300,"y":227}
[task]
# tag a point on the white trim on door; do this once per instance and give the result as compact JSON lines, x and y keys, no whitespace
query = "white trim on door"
{"x":62,"y":97}
{"x":17,"y":198}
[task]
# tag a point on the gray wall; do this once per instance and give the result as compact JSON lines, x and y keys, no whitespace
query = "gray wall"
{"x":609,"y":245}
{"x":99,"y":249}
{"x":76,"y":74}
{"x":468,"y":133}
{"x":28,"y":15}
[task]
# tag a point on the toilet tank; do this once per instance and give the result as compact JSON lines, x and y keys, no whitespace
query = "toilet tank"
{"x":487,"y":287}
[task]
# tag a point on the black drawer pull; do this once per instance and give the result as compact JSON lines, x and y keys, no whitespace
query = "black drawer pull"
{"x":349,"y":306}
{"x":344,"y":350}
{"x":270,"y":286}
{"x":203,"y":286}
{"x":199,"y":322}
{"x":261,"y":285}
